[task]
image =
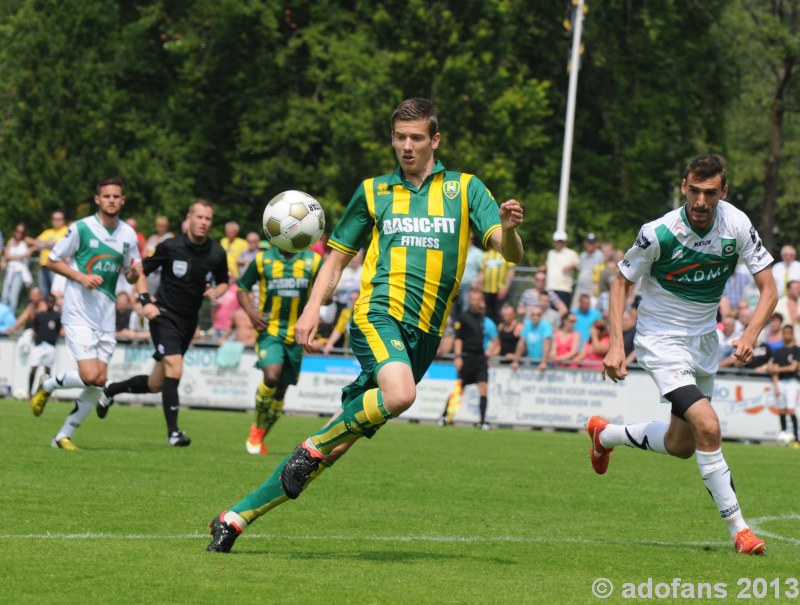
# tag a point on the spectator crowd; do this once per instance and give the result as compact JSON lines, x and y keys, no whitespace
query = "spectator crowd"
{"x":553,"y":315}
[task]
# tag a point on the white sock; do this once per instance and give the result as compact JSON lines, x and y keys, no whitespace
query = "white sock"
{"x":65,"y":380}
{"x":645,"y":436}
{"x":717,"y":478}
{"x":235,"y":519}
{"x":83,"y":407}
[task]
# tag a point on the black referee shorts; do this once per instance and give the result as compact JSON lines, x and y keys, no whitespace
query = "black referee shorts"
{"x":171,"y":334}
{"x":475,"y":369}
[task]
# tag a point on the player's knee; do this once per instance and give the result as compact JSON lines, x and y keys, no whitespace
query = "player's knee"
{"x":398,"y":399}
{"x":707,"y":429}
{"x":93,"y":378}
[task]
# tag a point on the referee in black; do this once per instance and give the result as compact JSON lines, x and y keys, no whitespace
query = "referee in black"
{"x":193,"y":267}
{"x":470,"y":359}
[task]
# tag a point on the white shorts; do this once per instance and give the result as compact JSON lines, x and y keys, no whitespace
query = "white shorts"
{"x":43,"y":354}
{"x":787,"y":400}
{"x":86,"y":343}
{"x":678,"y":361}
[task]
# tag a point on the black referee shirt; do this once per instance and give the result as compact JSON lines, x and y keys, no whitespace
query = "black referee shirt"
{"x":784,"y":357}
{"x":187,"y":269}
{"x":46,"y":326}
{"x":469,"y":329}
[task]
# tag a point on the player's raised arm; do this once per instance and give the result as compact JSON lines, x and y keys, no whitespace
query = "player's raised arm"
{"x":324,"y":285}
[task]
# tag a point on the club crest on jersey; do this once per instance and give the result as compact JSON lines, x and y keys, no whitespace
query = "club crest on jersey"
{"x":179,"y":268}
{"x":398,"y":345}
{"x":728,"y":247}
{"x":451,"y":189}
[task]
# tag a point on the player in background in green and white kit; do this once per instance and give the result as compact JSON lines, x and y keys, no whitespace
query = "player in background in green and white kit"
{"x":97,"y":248}
{"x":418,"y":218}
{"x":284,"y":283}
{"x":684,"y":260}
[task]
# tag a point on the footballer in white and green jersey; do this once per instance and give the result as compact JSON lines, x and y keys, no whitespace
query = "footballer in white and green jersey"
{"x":95,"y":249}
{"x":684,"y":270}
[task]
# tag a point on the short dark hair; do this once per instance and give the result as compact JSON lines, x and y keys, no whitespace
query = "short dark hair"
{"x":707,"y":166}
{"x":200,"y":202}
{"x":110,"y":180}
{"x":417,"y":109}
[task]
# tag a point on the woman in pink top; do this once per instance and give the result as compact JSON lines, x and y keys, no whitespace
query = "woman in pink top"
{"x":222,"y":313}
{"x":595,"y":349}
{"x":566,"y":343}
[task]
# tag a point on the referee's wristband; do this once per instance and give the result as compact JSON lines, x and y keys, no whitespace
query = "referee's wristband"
{"x":144,"y":299}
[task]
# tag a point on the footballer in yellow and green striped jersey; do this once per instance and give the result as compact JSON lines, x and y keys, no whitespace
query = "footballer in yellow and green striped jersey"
{"x":420,"y":237}
{"x":417,"y":220}
{"x":284,"y":281}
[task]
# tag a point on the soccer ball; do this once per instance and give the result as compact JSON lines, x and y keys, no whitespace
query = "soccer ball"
{"x":785,"y":438}
{"x":20,"y":393}
{"x":293,"y":221}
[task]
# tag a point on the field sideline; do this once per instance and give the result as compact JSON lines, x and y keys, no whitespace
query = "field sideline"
{"x":419,"y":515}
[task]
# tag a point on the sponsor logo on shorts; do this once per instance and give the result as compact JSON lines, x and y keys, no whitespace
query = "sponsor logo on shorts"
{"x":398,"y":345}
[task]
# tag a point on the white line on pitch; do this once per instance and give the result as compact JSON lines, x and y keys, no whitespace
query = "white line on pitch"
{"x":406,"y":538}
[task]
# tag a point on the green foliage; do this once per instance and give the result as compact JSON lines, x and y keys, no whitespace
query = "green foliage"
{"x":236,"y":100}
{"x":417,"y":514}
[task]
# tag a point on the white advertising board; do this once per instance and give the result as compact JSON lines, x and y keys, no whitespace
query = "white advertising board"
{"x":557,"y":398}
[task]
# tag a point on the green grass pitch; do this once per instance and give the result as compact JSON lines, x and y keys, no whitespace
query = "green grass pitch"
{"x":419,"y":514}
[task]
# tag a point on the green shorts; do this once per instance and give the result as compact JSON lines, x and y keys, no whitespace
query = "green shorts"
{"x":271,"y":350}
{"x":381,"y":339}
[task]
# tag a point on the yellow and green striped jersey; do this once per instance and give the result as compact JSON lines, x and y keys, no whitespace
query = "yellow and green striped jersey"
{"x":284,"y":283}
{"x":494,"y":268}
{"x":420,"y":237}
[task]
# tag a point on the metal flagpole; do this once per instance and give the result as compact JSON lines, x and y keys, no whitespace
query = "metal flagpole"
{"x":566,"y":158}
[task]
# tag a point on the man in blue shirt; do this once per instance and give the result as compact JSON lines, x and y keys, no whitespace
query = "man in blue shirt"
{"x":535,"y":340}
{"x":585,"y":316}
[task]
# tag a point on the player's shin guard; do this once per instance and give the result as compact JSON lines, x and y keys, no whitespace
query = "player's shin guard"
{"x":645,"y":436}
{"x":719,"y":483}
{"x":264,"y":400}
{"x":66,"y":380}
{"x":361,"y":417}
{"x":135,"y":384}
{"x":269,"y":494}
{"x":170,"y":401}
{"x":83,"y":407}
